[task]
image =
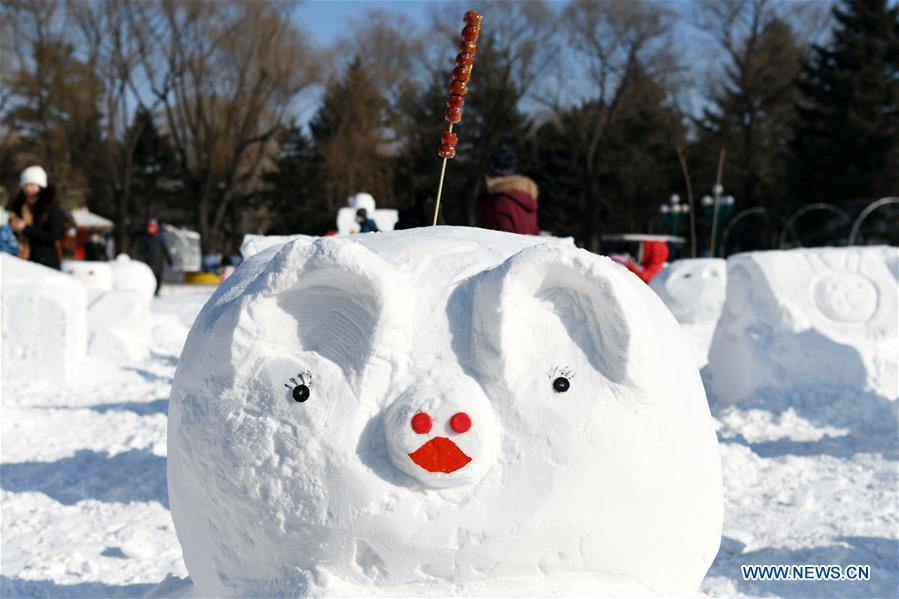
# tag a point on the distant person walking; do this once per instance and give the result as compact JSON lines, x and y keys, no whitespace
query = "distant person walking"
{"x":366,"y":225}
{"x":510,"y":202}
{"x":154,"y":252}
{"x":37,"y":220}
{"x":652,"y":260}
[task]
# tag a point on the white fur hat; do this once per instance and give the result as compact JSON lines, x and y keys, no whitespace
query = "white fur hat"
{"x":33,"y":174}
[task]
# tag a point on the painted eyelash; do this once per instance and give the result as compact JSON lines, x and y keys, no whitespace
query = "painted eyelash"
{"x":557,"y":371}
{"x":302,"y":378}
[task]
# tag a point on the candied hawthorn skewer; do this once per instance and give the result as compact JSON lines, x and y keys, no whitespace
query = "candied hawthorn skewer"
{"x":458,"y":88}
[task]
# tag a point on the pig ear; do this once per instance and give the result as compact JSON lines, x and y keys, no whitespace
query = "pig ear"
{"x":594,"y":299}
{"x":336,"y":298}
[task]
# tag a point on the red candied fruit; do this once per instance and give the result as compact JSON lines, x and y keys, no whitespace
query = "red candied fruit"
{"x":461,"y":74}
{"x":448,"y":138}
{"x":470,"y":34}
{"x":464,"y":60}
{"x":453,"y":114}
{"x":456,"y":101}
{"x":468,"y":47}
{"x":458,"y":87}
{"x":473,"y":18}
{"x":447,"y":151}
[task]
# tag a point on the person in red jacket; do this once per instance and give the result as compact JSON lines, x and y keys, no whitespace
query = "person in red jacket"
{"x":655,"y":253}
{"x":510,"y":202}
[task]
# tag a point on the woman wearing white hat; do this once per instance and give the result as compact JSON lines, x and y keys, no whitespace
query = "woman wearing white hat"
{"x":37,"y":219}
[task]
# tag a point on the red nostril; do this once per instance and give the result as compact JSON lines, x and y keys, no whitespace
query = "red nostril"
{"x":421,"y":423}
{"x":460,"y":422}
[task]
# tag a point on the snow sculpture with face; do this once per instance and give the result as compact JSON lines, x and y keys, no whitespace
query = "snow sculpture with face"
{"x":693,"y":289}
{"x":439,"y":411}
{"x":817,"y":316}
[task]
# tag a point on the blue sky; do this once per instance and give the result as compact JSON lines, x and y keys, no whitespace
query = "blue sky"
{"x":326,"y":20}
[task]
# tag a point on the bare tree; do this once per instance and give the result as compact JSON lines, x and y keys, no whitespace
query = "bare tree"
{"x":226,"y":76}
{"x":110,"y":41}
{"x":620,"y":42}
{"x":49,"y":97}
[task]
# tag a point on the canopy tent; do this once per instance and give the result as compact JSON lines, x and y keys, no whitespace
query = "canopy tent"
{"x":85,"y":219}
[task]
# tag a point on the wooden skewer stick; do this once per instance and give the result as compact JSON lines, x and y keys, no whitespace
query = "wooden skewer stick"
{"x":440,"y":186}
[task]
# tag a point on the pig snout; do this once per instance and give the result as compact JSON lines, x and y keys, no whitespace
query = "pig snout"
{"x":442,"y":435}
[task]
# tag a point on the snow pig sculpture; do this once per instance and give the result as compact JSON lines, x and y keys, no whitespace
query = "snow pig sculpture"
{"x":693,"y":289}
{"x":133,"y":275}
{"x":818,"y":316}
{"x":118,"y":320}
{"x":440,"y":411}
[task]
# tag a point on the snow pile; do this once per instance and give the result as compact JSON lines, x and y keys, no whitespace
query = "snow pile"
{"x":118,"y":321}
{"x":43,"y":321}
{"x":693,"y":289}
{"x":133,"y":275}
{"x":440,"y":411}
{"x":253,"y":244}
{"x":796,"y":318}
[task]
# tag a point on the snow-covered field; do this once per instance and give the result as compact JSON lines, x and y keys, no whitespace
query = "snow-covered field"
{"x":810,"y":477}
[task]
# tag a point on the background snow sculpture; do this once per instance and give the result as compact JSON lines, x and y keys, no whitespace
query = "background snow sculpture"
{"x":385,"y":218}
{"x":43,"y":314}
{"x":822,"y":316}
{"x":133,"y":275}
{"x":96,"y":277}
{"x":118,"y":320}
{"x":693,"y":289}
{"x":440,"y":410}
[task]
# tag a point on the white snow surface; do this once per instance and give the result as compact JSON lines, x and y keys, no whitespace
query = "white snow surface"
{"x":612,"y":486}
{"x":44,"y":326}
{"x":819,"y":316}
{"x":693,"y":289}
{"x":253,"y":244}
{"x":810,"y":477}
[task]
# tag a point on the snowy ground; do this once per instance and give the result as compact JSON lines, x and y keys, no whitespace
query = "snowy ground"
{"x":810,"y":477}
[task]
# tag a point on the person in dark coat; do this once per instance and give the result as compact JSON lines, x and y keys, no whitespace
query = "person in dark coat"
{"x":366,"y":225}
{"x":95,"y":248}
{"x":510,"y":202}
{"x":654,"y":255}
{"x":154,"y":252}
{"x":37,"y":219}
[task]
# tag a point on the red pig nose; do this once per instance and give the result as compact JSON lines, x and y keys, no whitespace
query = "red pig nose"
{"x":421,"y":423}
{"x":460,"y":422}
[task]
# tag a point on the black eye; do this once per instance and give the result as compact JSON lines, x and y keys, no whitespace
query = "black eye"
{"x":301,"y":393}
{"x":561,"y":385}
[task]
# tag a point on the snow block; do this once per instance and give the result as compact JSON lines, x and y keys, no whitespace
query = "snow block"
{"x":133,"y":275}
{"x":43,"y":321}
{"x":819,"y":316}
{"x":440,"y":411}
{"x":693,"y":289}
